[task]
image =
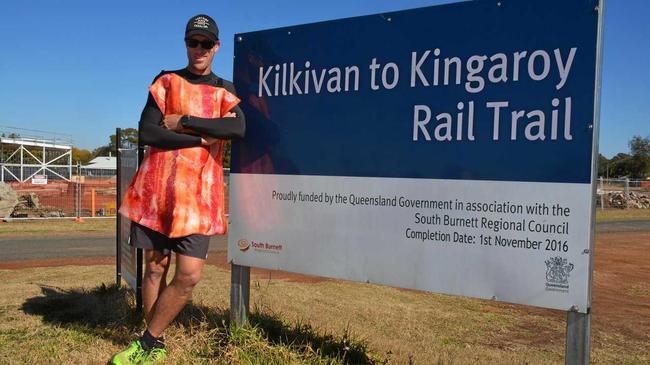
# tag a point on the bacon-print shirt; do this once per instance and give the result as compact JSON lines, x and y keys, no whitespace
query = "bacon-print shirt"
{"x":178,"y":189}
{"x":151,"y":133}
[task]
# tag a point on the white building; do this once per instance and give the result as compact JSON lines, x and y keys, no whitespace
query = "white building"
{"x":101,"y":166}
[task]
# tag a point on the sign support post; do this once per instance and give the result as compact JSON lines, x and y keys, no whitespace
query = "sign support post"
{"x":138,"y":290}
{"x":139,"y":253}
{"x":118,"y":223}
{"x":239,"y":293}
{"x":578,"y":339}
{"x":578,"y":329}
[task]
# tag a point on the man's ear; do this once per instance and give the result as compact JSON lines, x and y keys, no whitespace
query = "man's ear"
{"x":217,"y":44}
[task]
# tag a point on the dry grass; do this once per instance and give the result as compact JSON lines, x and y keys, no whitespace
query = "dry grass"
{"x":329,"y":322}
{"x":41,"y":227}
{"x":607,"y":215}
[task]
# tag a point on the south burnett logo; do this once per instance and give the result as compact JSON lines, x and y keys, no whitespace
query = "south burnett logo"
{"x":266,"y":246}
{"x":243,"y":244}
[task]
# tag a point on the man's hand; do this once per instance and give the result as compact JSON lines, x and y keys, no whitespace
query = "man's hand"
{"x":230,"y":115}
{"x":208,"y":141}
{"x":172,"y":122}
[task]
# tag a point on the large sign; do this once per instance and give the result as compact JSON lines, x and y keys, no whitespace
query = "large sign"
{"x":446,"y":149}
{"x":127,"y":253}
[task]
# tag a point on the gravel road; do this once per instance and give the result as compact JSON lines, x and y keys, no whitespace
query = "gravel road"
{"x":35,"y":248}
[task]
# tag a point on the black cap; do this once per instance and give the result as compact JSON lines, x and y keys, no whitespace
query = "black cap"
{"x":204,"y":25}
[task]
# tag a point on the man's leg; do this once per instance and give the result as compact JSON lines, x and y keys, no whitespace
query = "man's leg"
{"x":172,"y":300}
{"x":154,"y":280}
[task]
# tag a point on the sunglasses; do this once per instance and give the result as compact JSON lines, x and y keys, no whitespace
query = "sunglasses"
{"x":193,"y":43}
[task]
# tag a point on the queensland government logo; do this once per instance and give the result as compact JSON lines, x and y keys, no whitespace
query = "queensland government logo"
{"x":557,"y":274}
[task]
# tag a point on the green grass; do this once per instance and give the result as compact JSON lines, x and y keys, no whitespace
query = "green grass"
{"x":608,"y":215}
{"x":40,"y":227}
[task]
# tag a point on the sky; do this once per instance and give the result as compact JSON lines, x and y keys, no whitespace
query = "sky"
{"x":83,"y":67}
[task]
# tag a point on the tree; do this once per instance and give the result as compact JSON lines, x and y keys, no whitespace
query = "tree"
{"x":101,"y":151}
{"x":619,"y":165}
{"x":129,"y":136}
{"x":640,"y":146}
{"x":640,"y":160}
{"x":80,"y":155}
{"x":603,"y":166}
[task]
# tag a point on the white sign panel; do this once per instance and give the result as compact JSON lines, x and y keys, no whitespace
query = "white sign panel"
{"x":39,"y":180}
{"x":517,"y":242}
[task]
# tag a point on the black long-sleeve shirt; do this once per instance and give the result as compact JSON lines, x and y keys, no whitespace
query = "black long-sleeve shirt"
{"x":151,"y":132}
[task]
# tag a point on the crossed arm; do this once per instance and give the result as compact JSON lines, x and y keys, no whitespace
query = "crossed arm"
{"x":166,"y":132}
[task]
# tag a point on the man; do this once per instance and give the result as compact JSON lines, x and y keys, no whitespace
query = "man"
{"x":176,"y":199}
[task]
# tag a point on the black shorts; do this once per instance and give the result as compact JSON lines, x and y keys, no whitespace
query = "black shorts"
{"x":194,"y":245}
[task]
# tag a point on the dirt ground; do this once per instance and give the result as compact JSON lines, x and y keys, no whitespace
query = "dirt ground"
{"x":621,"y":285}
{"x":620,"y":292}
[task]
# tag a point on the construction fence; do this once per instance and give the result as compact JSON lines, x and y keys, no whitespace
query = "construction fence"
{"x":88,"y":194}
{"x":623,"y":194}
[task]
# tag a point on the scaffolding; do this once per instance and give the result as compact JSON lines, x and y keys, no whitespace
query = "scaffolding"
{"x":26,"y":154}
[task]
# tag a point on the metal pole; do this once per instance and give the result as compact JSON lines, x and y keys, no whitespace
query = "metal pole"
{"x":239,"y":293}
{"x":118,"y":223}
{"x":138,"y":280}
{"x":138,"y":251}
{"x":78,"y":202}
{"x":21,"y":164}
{"x":578,"y":342}
{"x":627,"y":193}
{"x":70,"y":165}
{"x":602,"y":194}
{"x":578,"y":327}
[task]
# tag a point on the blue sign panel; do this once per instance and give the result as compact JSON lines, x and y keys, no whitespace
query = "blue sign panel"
{"x":482,"y":90}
